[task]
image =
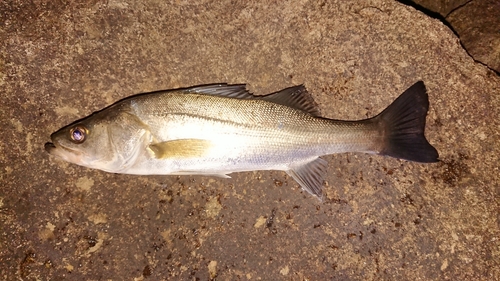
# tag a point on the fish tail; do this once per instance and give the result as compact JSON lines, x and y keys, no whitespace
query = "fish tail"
{"x":403,"y":123}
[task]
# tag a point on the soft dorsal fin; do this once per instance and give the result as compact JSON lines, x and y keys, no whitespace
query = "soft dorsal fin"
{"x":310,"y":175}
{"x":296,"y":97}
{"x":237,"y":91}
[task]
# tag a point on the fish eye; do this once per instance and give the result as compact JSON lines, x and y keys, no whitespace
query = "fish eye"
{"x":78,"y":134}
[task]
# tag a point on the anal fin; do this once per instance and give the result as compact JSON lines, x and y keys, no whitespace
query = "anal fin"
{"x":310,"y":176}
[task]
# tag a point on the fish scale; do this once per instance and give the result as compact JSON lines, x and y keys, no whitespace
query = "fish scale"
{"x":298,"y":128}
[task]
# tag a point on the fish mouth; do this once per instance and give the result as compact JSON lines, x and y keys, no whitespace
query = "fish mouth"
{"x":49,"y":147}
{"x":65,"y":153}
{"x":54,"y":150}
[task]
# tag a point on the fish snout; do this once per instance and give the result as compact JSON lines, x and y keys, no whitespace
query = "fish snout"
{"x":49,"y":147}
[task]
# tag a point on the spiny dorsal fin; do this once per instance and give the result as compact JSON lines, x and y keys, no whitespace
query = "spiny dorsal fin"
{"x":296,"y":97}
{"x":237,"y":91}
{"x":184,"y":148}
{"x":310,"y":176}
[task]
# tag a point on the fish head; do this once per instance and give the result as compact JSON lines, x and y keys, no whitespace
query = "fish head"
{"x":109,"y":140}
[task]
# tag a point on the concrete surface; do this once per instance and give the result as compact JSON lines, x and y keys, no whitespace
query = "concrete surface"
{"x":384,"y":219}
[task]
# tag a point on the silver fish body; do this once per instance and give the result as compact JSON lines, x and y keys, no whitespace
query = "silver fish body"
{"x":221,"y":129}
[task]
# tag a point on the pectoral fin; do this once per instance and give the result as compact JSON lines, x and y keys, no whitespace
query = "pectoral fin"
{"x":310,"y":176}
{"x":184,"y":148}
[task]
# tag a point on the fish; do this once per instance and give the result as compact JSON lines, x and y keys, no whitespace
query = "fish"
{"x":219,"y":129}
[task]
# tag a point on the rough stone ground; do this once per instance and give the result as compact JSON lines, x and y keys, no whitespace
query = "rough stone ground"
{"x":383,"y":219}
{"x":476,"y":23}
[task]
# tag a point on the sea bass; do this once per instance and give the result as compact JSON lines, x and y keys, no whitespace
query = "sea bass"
{"x":221,"y":129}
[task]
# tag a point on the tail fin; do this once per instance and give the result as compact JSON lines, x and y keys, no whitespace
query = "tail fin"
{"x":404,"y":123}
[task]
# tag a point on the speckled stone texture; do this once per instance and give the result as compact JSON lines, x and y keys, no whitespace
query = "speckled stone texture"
{"x":383,"y":218}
